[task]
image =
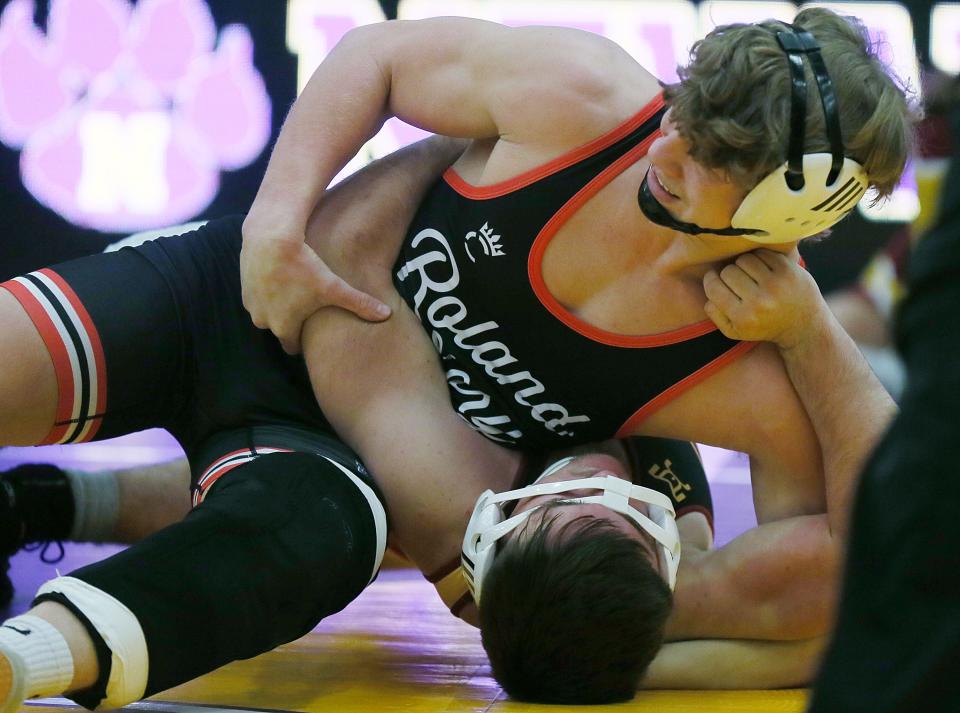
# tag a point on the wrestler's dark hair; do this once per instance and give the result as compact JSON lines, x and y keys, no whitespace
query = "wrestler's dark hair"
{"x":575,"y":617}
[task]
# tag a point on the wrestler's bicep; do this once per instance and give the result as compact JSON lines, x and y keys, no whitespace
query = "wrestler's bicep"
{"x":774,"y":581}
{"x":476,"y":79}
{"x":750,"y":406}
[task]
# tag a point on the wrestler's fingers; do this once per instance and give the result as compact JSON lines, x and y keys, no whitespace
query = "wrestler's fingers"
{"x":336,"y":291}
{"x":719,"y":318}
{"x":719,"y":293}
{"x":774,"y":260}
{"x":754,"y":266}
{"x":739,"y":282}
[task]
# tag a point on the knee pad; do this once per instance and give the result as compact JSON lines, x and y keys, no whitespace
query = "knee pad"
{"x":120,"y":631}
{"x":278,"y":544}
{"x":377,"y":511}
{"x":262,"y":495}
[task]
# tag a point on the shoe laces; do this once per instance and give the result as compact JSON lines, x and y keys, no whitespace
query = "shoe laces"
{"x":44,"y":548}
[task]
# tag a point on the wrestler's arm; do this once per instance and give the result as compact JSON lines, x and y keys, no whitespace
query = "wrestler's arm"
{"x":778,"y":581}
{"x":797,"y":468}
{"x":379,"y":384}
{"x":453,"y":76}
{"x":736,"y":664}
{"x":770,"y":587}
{"x":767,"y":295}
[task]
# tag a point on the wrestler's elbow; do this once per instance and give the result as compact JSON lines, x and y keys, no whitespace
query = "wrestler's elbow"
{"x":796,"y":592}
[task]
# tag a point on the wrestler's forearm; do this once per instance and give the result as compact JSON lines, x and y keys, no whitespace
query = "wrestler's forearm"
{"x":847,"y":405}
{"x":342,"y":106}
{"x":734,"y":664}
{"x":777,"y":581}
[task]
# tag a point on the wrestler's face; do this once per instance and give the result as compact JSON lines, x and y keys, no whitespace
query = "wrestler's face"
{"x":561,"y":512}
{"x":690,"y":191}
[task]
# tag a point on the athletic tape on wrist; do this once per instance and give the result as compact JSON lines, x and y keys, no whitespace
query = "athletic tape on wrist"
{"x":120,"y":631}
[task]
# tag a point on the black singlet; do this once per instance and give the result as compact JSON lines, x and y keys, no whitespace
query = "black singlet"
{"x":520,"y":368}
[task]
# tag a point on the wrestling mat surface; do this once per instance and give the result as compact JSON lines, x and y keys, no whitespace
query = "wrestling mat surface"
{"x":397,"y":649}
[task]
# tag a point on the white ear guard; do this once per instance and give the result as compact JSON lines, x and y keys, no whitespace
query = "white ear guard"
{"x":488,"y":524}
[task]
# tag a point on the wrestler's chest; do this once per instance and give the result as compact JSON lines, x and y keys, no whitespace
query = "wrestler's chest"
{"x":602,"y":267}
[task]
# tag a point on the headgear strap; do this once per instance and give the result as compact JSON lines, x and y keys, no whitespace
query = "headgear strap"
{"x":796,"y":44}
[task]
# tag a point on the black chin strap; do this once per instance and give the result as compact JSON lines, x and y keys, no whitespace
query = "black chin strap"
{"x":656,"y":213}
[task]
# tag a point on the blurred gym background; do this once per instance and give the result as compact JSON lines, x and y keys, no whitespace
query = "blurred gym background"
{"x":119,"y":116}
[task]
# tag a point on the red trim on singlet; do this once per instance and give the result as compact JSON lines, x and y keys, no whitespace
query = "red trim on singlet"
{"x":701,"y":374}
{"x":495,"y":190}
{"x":200,"y":494}
{"x":551,"y":304}
{"x":206,"y":481}
{"x":224,"y":457}
{"x":53,"y":340}
{"x":100,"y":362}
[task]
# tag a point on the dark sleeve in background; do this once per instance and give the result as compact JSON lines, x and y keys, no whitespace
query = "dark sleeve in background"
{"x":897,"y":642}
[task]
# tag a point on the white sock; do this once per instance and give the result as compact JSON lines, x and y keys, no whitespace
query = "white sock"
{"x":44,"y":653}
{"x":96,"y":498}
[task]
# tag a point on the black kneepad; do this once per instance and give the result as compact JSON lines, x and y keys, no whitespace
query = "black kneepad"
{"x":308,"y":513}
{"x":279,"y":543}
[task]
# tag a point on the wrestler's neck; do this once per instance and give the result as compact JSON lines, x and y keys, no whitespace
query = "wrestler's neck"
{"x":691,"y":256}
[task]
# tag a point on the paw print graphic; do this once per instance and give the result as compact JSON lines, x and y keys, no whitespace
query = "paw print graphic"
{"x":126,"y":115}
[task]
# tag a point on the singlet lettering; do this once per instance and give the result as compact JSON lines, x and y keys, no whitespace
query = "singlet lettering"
{"x":447,"y":316}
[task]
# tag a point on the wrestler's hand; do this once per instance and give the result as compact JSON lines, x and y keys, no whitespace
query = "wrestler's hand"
{"x":284,"y":282}
{"x":764,"y":296}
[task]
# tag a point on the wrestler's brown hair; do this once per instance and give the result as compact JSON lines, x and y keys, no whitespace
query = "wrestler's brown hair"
{"x":733,"y":100}
{"x":575,"y":616}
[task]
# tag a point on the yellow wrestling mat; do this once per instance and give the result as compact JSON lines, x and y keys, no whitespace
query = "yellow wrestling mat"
{"x":396,"y":648}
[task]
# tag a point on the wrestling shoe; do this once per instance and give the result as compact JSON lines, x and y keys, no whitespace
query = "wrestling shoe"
{"x":12,"y":681}
{"x":36,"y":506}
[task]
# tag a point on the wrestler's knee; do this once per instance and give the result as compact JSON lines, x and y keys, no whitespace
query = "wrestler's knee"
{"x":304,"y":519}
{"x":278,"y":544}
{"x":28,"y":383}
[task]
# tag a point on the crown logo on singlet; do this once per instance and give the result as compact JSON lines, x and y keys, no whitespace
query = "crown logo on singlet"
{"x":489,"y":242}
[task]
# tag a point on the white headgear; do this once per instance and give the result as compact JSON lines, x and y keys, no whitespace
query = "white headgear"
{"x":488,"y":524}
